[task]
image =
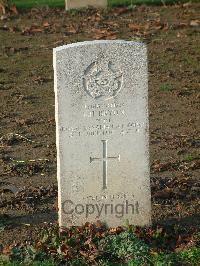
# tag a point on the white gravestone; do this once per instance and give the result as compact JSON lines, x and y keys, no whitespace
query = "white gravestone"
{"x":101,"y":92}
{"x":72,"y":4}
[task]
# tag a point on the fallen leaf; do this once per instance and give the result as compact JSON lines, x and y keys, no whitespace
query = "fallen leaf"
{"x":31,"y":30}
{"x":46,"y":24}
{"x":104,"y":34}
{"x":112,"y":23}
{"x":3,"y":17}
{"x":72,"y":30}
{"x":188,"y":4}
{"x":134,"y":27}
{"x":36,"y":30}
{"x":120,"y":10}
{"x":157,"y":166}
{"x":14,"y":9}
{"x":194,"y":23}
{"x":163,"y":194}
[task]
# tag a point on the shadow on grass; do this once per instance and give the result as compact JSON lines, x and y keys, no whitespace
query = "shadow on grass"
{"x":31,"y":219}
{"x":192,"y":221}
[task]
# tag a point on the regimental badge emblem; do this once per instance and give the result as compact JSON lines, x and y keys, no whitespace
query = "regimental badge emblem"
{"x":102,"y":80}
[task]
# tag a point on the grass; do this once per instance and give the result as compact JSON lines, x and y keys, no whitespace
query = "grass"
{"x":61,"y":3}
{"x":35,"y":3}
{"x":36,"y":263}
{"x":166,"y":87}
{"x":192,"y":157}
{"x":190,"y":257}
{"x":148,"y":2}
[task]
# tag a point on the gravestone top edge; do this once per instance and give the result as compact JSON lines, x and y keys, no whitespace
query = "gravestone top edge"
{"x":78,"y":44}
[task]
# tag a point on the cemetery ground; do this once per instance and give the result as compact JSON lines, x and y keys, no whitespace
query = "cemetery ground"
{"x":28,"y":184}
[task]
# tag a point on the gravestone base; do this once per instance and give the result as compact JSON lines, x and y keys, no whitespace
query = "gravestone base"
{"x":70,"y":4}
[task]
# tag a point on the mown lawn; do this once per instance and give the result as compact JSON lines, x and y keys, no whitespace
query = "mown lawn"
{"x":60,"y":3}
{"x":149,"y":2}
{"x":32,"y":3}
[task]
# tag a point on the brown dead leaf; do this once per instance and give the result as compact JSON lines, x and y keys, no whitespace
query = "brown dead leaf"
{"x":111,"y":36}
{"x":195,"y":23}
{"x":157,"y":166}
{"x":14,"y":29}
{"x":14,"y":9}
{"x":2,"y":9}
{"x":6,"y":7}
{"x":46,"y":24}
{"x":178,"y":35}
{"x":104,"y":34}
{"x":146,"y":26}
{"x":94,"y":18}
{"x":135,"y":27}
{"x":120,"y":10}
{"x":7,"y":250}
{"x":36,"y":30}
{"x":4,"y":16}
{"x":99,"y":224}
{"x":91,"y":244}
{"x":112,"y":23}
{"x":159,"y":25}
{"x":83,"y":253}
{"x":184,"y":242}
{"x":116,"y":230}
{"x":39,"y":79}
{"x":180,"y":25}
{"x":164,"y":193}
{"x":188,"y":4}
{"x":55,"y":206}
{"x":97,"y":17}
{"x":66,"y":250}
{"x":72,"y":29}
{"x":31,"y":30}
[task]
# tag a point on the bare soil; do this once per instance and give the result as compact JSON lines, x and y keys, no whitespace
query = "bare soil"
{"x":28,"y":184}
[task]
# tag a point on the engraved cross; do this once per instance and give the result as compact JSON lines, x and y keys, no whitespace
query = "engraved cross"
{"x":105,"y":159}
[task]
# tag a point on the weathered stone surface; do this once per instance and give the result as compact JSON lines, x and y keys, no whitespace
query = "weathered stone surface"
{"x":70,"y":4}
{"x":101,"y":92}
